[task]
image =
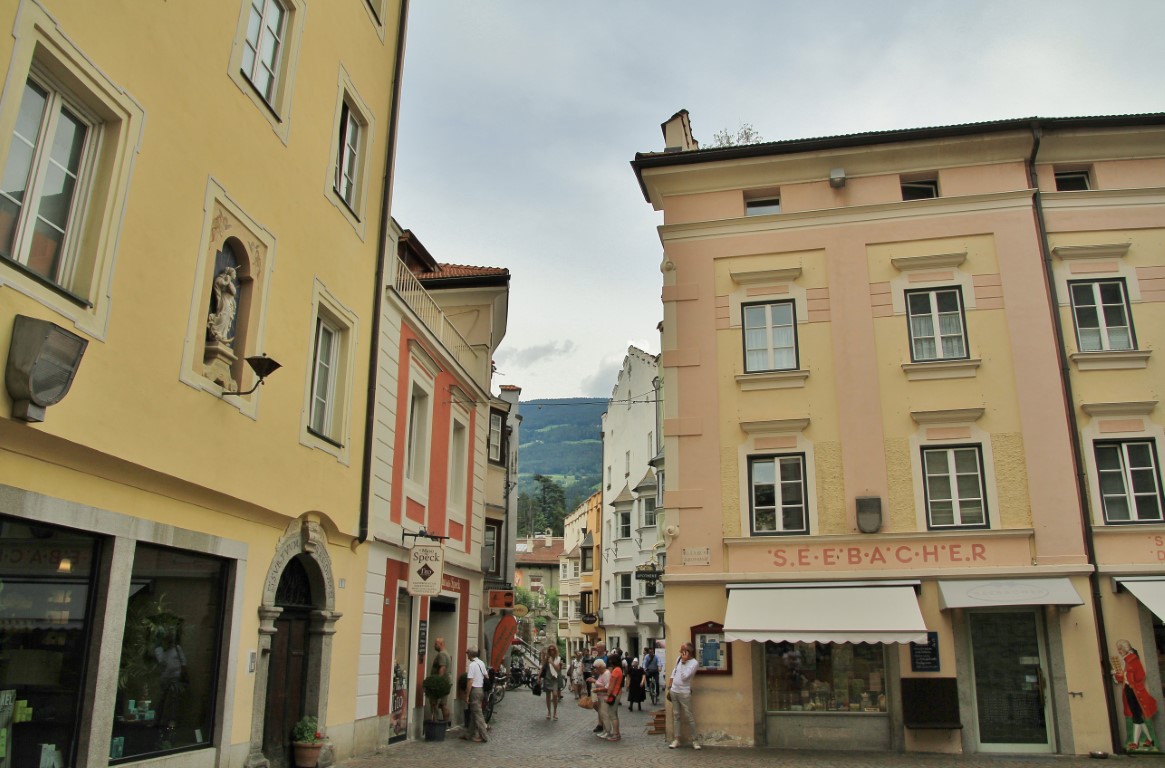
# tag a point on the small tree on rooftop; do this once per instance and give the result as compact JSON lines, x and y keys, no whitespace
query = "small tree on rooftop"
{"x":745,"y":134}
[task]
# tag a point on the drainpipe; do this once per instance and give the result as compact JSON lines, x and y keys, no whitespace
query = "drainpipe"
{"x":378,"y":295}
{"x":1073,"y":429}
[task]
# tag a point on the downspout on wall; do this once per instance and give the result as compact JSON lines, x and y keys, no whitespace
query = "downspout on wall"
{"x":1073,"y":429}
{"x":379,"y":288}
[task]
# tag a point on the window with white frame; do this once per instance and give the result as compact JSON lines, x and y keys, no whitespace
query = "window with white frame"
{"x":954,"y":487}
{"x":648,"y":512}
{"x":325,"y":365}
{"x":458,"y":468}
{"x":575,"y":567}
{"x":350,"y":150}
{"x":71,"y":136}
{"x":936,"y":324}
{"x":624,"y":586}
{"x":919,"y":189}
{"x":778,"y":494}
{"x":1072,"y":181}
{"x":1129,"y":480}
{"x":1100,"y":309}
{"x":492,"y":535}
{"x":325,"y":418}
{"x":263,"y":60}
{"x":563,"y":570}
{"x":496,"y":420}
{"x":43,"y":181}
{"x":770,"y":336}
{"x":624,"y":523}
{"x":264,"y":46}
{"x":417,"y":447}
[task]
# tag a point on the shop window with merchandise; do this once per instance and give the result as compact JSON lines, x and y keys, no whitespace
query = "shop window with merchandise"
{"x":825,"y":677}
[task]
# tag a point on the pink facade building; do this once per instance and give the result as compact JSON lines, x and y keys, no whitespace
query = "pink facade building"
{"x":912,"y":434}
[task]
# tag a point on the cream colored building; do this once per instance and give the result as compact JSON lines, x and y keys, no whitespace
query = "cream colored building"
{"x":897,"y":525}
{"x":193,"y":192}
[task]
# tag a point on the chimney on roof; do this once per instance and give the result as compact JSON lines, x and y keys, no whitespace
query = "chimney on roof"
{"x":677,"y":133}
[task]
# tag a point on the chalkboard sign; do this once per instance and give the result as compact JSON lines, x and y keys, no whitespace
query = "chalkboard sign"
{"x":924,"y":656}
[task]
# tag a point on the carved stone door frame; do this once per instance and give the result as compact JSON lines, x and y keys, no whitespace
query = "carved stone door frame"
{"x":302,"y":537}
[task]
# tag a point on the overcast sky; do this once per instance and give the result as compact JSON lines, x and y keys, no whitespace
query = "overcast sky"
{"x":520,"y":117}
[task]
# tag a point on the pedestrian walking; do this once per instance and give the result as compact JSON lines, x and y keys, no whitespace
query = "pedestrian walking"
{"x":680,"y":695}
{"x":574,"y":674}
{"x":636,"y":689}
{"x":553,"y":680}
{"x":477,"y":674}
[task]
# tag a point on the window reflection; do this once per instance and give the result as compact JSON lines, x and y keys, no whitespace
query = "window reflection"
{"x":46,"y":574}
{"x":825,"y":677}
{"x":169,"y":654}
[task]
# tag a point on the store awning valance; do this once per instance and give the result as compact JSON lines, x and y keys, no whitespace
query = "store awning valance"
{"x":985,"y":593}
{"x":1151,"y":593}
{"x":825,"y":612}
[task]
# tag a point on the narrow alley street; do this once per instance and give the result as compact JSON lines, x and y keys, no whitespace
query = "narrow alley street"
{"x":522,"y":737}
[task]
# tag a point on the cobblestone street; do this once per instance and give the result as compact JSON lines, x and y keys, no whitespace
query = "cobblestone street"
{"x":522,"y":737}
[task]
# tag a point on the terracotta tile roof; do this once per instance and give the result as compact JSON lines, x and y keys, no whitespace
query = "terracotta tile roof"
{"x":539,"y":553}
{"x":446,"y":271}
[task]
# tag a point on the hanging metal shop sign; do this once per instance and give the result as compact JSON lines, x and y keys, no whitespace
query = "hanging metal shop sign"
{"x":426,"y":567}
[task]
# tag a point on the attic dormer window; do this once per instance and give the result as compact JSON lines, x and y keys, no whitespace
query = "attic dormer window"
{"x":762,"y":207}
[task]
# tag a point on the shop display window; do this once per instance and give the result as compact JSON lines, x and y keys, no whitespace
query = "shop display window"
{"x":825,"y":677}
{"x":168,"y":677}
{"x":46,"y":584}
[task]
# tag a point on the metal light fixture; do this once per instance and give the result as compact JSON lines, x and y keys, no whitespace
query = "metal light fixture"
{"x":263,"y":367}
{"x":837,"y":178}
{"x":869,"y":513}
{"x":42,"y":360}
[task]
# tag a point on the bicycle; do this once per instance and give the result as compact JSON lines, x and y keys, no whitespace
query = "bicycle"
{"x":653,"y":687}
{"x":492,"y":698}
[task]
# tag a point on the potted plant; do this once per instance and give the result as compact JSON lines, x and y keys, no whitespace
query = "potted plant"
{"x":436,"y":688}
{"x":306,"y":741}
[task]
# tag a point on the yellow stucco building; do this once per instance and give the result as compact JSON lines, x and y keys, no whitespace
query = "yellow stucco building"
{"x":192,"y":192}
{"x":912,"y":433}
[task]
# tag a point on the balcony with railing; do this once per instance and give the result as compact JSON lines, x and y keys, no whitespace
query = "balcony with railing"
{"x":431,"y":316}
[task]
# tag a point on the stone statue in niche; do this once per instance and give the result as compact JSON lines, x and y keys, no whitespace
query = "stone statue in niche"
{"x":220,"y":322}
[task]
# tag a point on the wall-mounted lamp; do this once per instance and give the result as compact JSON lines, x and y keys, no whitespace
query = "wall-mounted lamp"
{"x":837,"y":178}
{"x":263,"y":367}
{"x":42,"y":361}
{"x":869,"y":513}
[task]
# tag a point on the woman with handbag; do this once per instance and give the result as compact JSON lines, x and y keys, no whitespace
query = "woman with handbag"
{"x":552,"y":681}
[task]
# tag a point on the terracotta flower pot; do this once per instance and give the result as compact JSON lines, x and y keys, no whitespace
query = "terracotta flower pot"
{"x":307,"y":753}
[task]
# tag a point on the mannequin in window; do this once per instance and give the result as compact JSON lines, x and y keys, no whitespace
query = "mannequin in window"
{"x":224,"y":303}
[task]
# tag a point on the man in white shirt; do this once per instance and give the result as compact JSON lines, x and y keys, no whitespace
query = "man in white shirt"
{"x":477,"y":674}
{"x":680,"y":694}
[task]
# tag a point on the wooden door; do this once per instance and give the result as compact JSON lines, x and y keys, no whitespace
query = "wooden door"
{"x":286,"y":678}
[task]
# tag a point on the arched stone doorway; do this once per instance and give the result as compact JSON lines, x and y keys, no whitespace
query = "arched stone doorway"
{"x":296,"y":623}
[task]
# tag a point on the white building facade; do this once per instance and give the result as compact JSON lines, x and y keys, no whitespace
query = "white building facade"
{"x":631,"y":615}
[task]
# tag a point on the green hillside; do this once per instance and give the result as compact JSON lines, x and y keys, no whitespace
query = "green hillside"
{"x":561,"y":438}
